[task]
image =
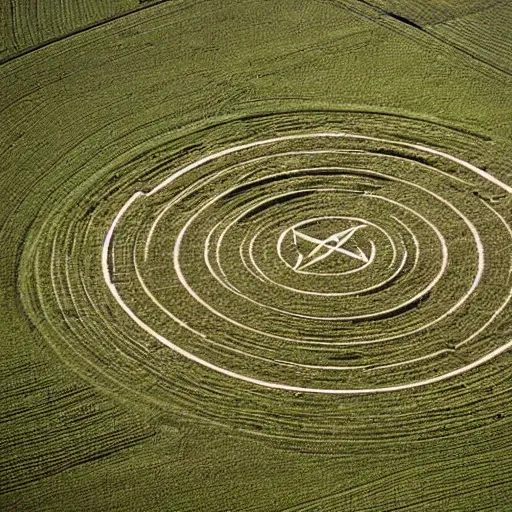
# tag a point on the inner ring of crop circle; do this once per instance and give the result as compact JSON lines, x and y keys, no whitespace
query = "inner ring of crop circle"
{"x":444,"y":248}
{"x":393,"y":268}
{"x":312,"y":220}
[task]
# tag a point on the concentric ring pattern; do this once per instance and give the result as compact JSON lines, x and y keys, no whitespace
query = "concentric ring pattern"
{"x":311,"y":267}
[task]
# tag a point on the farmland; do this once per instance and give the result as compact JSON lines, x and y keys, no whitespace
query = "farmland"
{"x":256,"y":256}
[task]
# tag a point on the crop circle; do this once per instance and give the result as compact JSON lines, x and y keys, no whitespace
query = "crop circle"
{"x":272,"y":199}
{"x":323,"y":259}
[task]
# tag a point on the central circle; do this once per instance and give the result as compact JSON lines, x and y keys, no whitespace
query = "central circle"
{"x":328,"y":246}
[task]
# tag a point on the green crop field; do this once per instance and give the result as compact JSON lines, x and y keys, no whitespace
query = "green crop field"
{"x":256,"y":255}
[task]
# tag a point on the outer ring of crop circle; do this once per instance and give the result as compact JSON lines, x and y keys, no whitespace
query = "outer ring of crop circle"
{"x":275,"y":385}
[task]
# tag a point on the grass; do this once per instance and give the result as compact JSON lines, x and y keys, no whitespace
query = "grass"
{"x":98,"y":414}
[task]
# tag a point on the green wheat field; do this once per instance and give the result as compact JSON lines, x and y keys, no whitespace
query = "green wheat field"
{"x":256,"y":255}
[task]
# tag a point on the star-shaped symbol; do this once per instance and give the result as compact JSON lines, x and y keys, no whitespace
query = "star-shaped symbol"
{"x":324,"y":248}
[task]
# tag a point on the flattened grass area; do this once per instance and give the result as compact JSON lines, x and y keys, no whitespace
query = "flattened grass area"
{"x":78,"y":442}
